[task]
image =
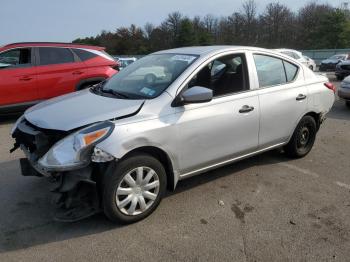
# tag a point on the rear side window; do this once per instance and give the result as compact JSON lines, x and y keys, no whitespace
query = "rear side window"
{"x":274,"y":71}
{"x":84,"y":54}
{"x":53,"y":55}
{"x":291,"y":71}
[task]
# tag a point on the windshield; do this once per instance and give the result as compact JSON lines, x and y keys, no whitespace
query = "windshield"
{"x":338,"y":57}
{"x":148,"y":77}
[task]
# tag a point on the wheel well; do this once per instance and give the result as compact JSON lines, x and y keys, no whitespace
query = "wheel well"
{"x":317,"y":118}
{"x":163,"y":159}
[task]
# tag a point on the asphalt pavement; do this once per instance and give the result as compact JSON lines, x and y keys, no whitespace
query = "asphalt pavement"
{"x":266,"y":208}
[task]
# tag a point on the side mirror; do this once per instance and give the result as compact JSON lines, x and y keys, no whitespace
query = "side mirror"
{"x":196,"y":94}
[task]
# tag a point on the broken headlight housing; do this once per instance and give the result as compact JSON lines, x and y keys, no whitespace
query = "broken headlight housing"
{"x":74,"y":151}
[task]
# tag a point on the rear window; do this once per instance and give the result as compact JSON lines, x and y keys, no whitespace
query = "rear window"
{"x":84,"y":54}
{"x":53,"y":55}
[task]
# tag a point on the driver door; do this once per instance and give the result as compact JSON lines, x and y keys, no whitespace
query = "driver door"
{"x":225,"y":128}
{"x":17,"y":77}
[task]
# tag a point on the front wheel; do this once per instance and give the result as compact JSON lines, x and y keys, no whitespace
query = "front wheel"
{"x":303,"y":138}
{"x":134,"y":189}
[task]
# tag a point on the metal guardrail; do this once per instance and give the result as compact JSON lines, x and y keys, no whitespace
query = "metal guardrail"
{"x":320,"y":54}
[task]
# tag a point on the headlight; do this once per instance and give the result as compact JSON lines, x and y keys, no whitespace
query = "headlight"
{"x":19,"y":120}
{"x":74,"y":150}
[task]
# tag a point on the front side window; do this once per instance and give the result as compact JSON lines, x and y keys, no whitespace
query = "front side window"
{"x":15,"y":57}
{"x":54,"y":55}
{"x":225,"y":75}
{"x":149,"y":76}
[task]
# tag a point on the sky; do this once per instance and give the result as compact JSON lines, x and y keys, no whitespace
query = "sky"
{"x":66,"y":20}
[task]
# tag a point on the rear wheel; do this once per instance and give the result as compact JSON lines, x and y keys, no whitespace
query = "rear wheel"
{"x":303,"y":138}
{"x":134,"y":189}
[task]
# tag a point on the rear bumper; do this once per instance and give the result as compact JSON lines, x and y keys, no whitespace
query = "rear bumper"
{"x":344,"y":93}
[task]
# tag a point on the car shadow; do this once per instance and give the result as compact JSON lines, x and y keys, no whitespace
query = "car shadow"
{"x":26,"y":219}
{"x":9,"y":118}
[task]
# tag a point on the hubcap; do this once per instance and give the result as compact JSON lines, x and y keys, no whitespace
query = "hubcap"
{"x":304,"y":137}
{"x":137,"y":191}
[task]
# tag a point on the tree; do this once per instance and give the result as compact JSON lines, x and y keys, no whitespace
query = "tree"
{"x":186,"y":35}
{"x":312,"y":26}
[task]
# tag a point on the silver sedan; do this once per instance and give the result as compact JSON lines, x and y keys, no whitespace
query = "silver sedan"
{"x":119,"y":145}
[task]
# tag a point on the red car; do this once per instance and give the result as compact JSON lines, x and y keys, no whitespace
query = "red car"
{"x":32,"y":72}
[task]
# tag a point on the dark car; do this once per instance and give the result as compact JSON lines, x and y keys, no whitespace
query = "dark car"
{"x":330,"y":64}
{"x":342,"y":69}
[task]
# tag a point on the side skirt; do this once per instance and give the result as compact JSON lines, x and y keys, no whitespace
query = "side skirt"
{"x":229,"y":161}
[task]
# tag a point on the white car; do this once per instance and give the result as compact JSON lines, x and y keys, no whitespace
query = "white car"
{"x":310,"y":63}
{"x":124,"y":62}
{"x":299,"y":57}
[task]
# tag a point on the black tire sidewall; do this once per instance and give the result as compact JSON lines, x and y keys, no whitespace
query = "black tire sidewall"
{"x":113,"y":177}
{"x":292,"y":147}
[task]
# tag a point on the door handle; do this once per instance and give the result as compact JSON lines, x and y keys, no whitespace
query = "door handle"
{"x":246,"y":109}
{"x":77,"y":73}
{"x":300,"y":97}
{"x":25,"y":78}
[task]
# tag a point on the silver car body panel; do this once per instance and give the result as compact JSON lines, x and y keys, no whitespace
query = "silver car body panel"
{"x":197,"y":137}
{"x":88,"y":108}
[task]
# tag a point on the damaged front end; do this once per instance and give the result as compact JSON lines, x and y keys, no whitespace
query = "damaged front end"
{"x":71,"y":161}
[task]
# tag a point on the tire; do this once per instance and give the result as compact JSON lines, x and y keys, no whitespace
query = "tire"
{"x":311,"y":67}
{"x":121,"y":207}
{"x":303,"y":138}
{"x":347,"y":103}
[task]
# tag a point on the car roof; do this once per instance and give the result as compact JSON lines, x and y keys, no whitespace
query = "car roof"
{"x":202,"y":50}
{"x":51,"y":44}
{"x":286,"y":49}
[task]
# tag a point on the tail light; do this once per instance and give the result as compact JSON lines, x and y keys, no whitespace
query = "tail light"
{"x":330,"y":86}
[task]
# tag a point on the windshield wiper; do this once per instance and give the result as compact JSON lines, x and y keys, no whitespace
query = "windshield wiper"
{"x":114,"y":92}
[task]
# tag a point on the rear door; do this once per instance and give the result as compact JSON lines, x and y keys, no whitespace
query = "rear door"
{"x":282,"y":96}
{"x":58,"y":71}
{"x":18,"y":83}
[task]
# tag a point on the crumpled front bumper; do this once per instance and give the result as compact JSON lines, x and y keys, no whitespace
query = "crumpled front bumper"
{"x":76,"y":192}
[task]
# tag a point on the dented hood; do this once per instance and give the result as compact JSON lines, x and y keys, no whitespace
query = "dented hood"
{"x":79,"y":109}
